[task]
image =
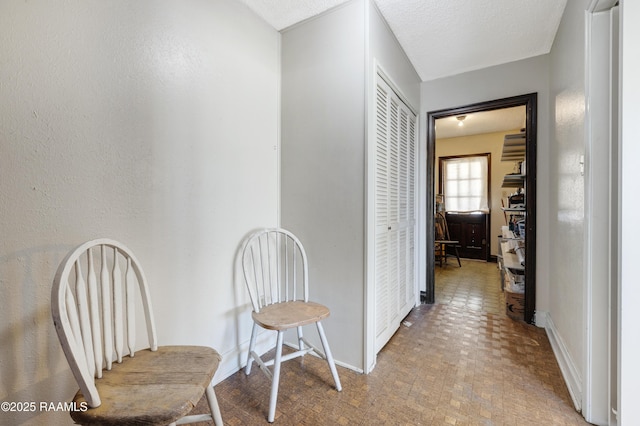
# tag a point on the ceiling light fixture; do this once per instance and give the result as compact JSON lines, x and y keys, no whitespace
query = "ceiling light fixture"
{"x":460,"y":119}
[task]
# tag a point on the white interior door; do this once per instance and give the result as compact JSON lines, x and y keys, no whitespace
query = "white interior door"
{"x":395,"y":218}
{"x":601,"y":175}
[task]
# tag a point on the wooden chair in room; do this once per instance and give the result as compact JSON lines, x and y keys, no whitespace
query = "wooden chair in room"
{"x":277,"y":278}
{"x":443,"y":240}
{"x":93,"y":303}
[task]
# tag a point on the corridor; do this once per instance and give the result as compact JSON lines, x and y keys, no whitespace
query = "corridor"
{"x":461,"y":361}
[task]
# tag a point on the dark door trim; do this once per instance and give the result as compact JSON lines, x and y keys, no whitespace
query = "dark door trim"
{"x":530,"y":101}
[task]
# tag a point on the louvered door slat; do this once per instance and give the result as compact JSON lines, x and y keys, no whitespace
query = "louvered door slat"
{"x":381,"y":284}
{"x":381,"y":165}
{"x":393,"y":161}
{"x":411,"y":267}
{"x":403,"y":148}
{"x":393,"y":275}
{"x":402,"y":269}
{"x":411,"y":165}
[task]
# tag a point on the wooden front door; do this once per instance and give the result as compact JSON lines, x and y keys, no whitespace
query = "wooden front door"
{"x":472,"y":231}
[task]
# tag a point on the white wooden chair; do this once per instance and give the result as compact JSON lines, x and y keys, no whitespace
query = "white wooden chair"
{"x":93,"y":303}
{"x":277,"y":277}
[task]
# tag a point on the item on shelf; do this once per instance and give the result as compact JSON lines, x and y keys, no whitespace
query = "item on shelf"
{"x":514,"y":305}
{"x":516,"y":200}
{"x":517,"y":168}
{"x":520,"y":253}
{"x":507,"y":233}
{"x":520,"y":227}
{"x":514,"y":281}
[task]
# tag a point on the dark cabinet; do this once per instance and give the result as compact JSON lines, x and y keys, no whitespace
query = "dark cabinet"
{"x":472,"y":231}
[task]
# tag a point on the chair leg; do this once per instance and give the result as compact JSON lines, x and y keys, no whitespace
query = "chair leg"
{"x":458,"y":256}
{"x":300,"y":341}
{"x":327,"y":353}
{"x":213,"y":406}
{"x":275,"y":380}
{"x":252,"y":346}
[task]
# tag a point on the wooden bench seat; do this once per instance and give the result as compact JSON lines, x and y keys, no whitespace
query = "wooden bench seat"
{"x":286,"y":315}
{"x":152,"y":388}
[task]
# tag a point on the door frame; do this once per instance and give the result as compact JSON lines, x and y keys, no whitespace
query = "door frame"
{"x":600,"y":394}
{"x":530,"y":101}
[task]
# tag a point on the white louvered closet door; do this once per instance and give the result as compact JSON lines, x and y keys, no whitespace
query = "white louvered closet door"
{"x":395,"y":219}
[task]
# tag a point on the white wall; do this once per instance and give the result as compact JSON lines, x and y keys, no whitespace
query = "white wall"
{"x":512,"y":79}
{"x":629,"y":349}
{"x":385,"y":51}
{"x":567,"y":202}
{"x":152,"y":123}
{"x":323,"y":178}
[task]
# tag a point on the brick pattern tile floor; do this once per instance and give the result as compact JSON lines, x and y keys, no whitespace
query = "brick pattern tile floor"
{"x":461,"y":361}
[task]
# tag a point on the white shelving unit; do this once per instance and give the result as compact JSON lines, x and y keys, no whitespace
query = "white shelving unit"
{"x":511,"y":249}
{"x":514,"y":147}
{"x":513,"y":181}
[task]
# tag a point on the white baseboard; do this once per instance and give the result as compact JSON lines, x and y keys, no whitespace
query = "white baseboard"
{"x":540,"y":319}
{"x":570,"y":372}
{"x":235,"y":359}
{"x":349,"y":366}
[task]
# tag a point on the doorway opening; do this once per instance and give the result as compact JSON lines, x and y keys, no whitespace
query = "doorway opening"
{"x":528,"y":172}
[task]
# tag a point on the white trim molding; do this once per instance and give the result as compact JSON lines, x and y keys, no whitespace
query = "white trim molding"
{"x":570,"y":372}
{"x":540,"y":319}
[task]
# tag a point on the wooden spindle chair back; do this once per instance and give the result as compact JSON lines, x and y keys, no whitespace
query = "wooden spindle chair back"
{"x":95,"y":302}
{"x":275,"y":268}
{"x":94,"y":310}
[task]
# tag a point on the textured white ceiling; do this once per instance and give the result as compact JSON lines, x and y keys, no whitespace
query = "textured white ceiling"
{"x":446,"y":37}
{"x":450,"y":37}
{"x":281,"y":14}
